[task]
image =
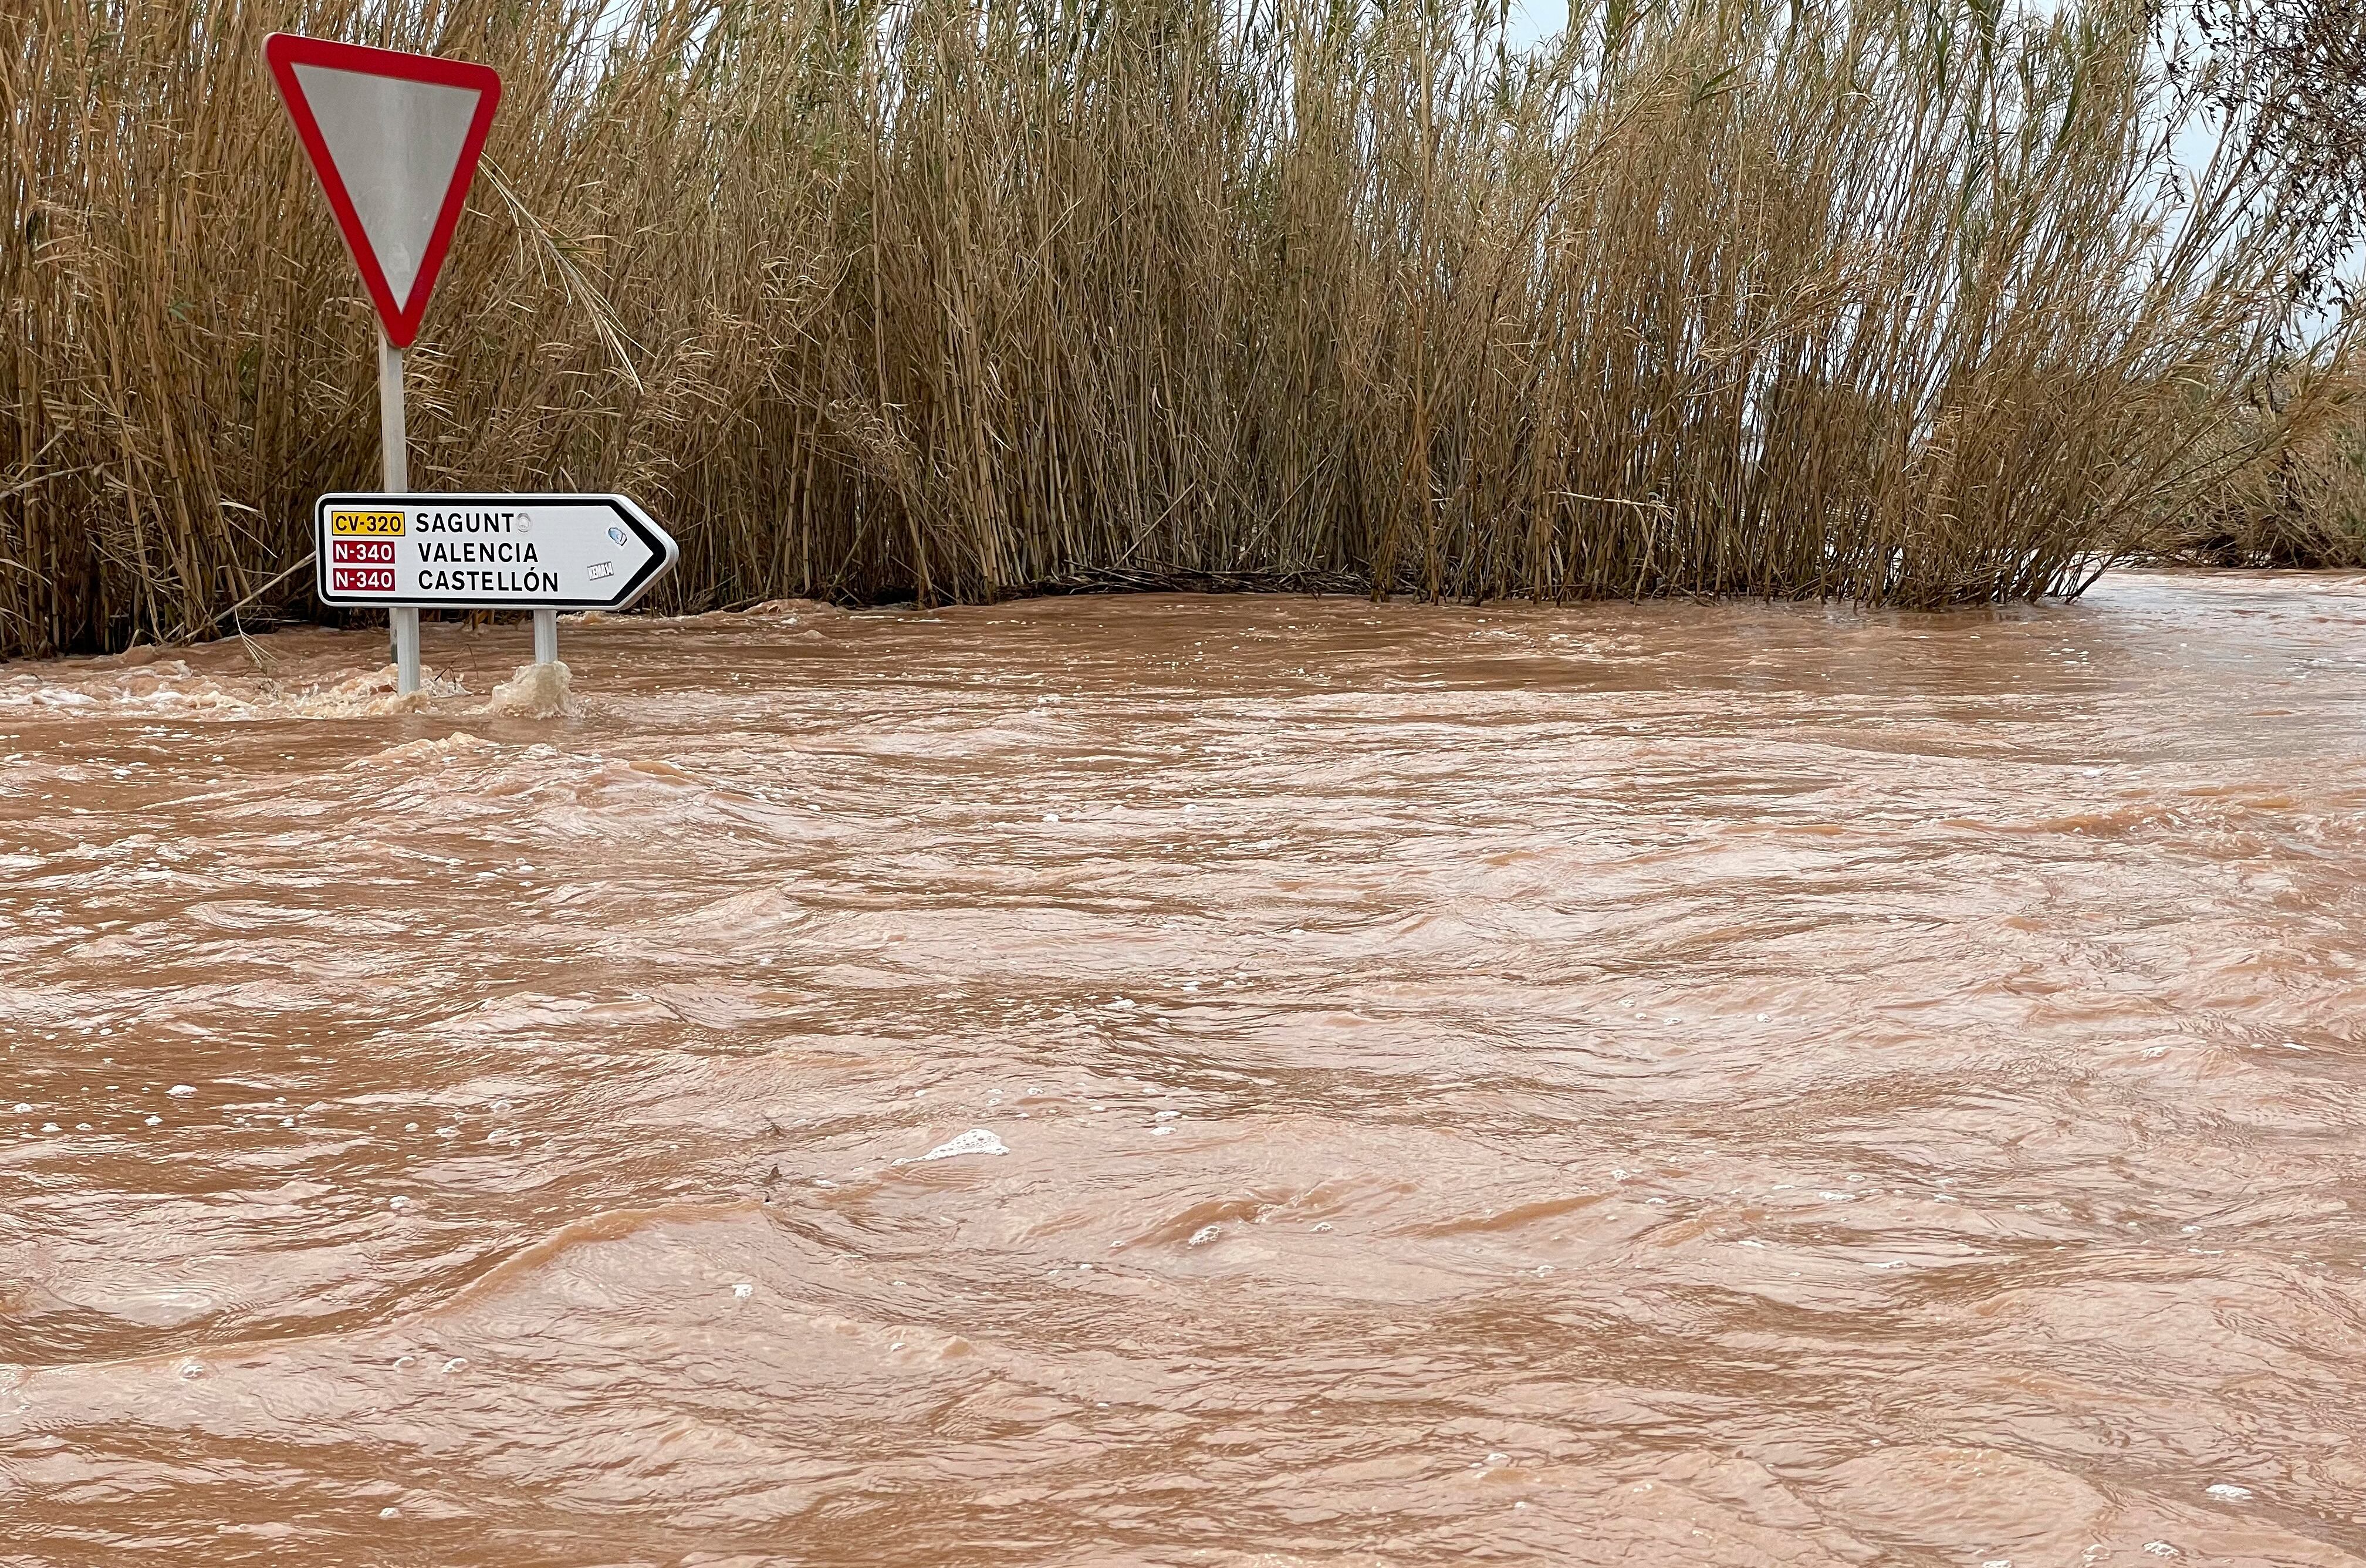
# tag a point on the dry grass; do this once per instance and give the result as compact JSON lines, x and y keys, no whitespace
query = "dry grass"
{"x":1888,"y":302}
{"x":2300,"y":498}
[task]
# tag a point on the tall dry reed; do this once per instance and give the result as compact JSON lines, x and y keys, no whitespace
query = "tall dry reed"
{"x":2300,"y":499}
{"x":964,"y":298}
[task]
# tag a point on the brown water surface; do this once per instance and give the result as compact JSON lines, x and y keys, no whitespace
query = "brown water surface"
{"x":1199,"y":1081}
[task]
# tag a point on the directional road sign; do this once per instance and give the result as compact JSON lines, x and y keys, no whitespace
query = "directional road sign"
{"x":395,"y":139}
{"x":483,"y":552}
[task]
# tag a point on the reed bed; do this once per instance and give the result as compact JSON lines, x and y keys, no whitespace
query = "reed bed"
{"x":964,"y":298}
{"x":2301,"y":502}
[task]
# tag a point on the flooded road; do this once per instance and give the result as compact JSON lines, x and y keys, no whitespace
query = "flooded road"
{"x":1213,"y":1081}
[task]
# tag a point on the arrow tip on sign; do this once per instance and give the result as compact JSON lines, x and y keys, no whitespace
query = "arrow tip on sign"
{"x":395,"y":139}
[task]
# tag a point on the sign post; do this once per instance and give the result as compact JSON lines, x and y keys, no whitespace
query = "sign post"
{"x":395,"y":139}
{"x":394,"y":442}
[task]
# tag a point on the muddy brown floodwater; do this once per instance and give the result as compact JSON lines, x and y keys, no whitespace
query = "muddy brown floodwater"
{"x":1167,"y":1081}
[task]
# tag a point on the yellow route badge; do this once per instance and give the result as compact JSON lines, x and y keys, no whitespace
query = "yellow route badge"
{"x":365,"y":525}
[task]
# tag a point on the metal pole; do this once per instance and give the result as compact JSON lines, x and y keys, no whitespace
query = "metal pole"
{"x":545,"y":636}
{"x":402,"y":623}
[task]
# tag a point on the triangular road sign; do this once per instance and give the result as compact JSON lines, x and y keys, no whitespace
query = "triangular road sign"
{"x":395,"y":139}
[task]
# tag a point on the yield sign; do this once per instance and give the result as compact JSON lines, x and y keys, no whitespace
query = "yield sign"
{"x":395,"y":139}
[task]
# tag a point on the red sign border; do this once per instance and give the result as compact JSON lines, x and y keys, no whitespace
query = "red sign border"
{"x":284,"y":53}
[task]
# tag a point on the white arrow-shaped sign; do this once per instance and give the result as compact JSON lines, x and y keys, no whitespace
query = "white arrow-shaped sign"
{"x":488,"y":552}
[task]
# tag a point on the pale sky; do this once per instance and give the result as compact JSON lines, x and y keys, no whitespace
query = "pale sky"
{"x":1531,"y":22}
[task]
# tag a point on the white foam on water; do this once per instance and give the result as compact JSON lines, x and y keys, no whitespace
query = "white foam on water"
{"x":976,"y":1141}
{"x":370,"y":695}
{"x":2228,"y":1490}
{"x":536,"y":690}
{"x":1204,"y":1235}
{"x":446,"y":748}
